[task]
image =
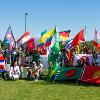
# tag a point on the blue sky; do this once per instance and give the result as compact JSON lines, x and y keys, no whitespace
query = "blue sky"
{"x":45,"y":14}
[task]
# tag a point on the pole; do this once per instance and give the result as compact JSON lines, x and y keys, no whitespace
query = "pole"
{"x":25,"y":21}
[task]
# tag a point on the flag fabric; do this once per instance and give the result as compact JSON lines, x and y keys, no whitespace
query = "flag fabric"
{"x":56,"y":48}
{"x":43,"y":32}
{"x":30,"y":44}
{"x":78,"y":39}
{"x":64,"y":35}
{"x":68,"y":44}
{"x":41,"y":44}
{"x":2,"y":63}
{"x":9,"y":39}
{"x":46,"y":38}
{"x":24,"y":38}
{"x":52,"y":73}
{"x":69,"y":73}
{"x":91,"y":74}
{"x":96,"y":40}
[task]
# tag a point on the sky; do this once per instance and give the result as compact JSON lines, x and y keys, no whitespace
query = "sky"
{"x":46,"y":14}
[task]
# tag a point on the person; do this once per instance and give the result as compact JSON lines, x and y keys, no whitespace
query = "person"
{"x":26,"y":61}
{"x":79,"y":64}
{"x":7,"y":56}
{"x":50,"y":66}
{"x":49,"y":71}
{"x":35,"y":72}
{"x":84,"y":61}
{"x":35,"y":56}
{"x":94,"y":60}
{"x":63,"y":57}
{"x":14,"y":72}
{"x":40,"y":65}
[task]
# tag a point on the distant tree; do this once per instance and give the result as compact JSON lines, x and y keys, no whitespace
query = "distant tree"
{"x":88,"y":44}
{"x":0,"y":41}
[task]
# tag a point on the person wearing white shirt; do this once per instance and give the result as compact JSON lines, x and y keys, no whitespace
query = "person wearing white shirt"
{"x":14,"y":72}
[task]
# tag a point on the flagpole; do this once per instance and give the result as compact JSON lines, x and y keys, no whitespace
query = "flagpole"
{"x":85,"y":34}
{"x":25,"y":21}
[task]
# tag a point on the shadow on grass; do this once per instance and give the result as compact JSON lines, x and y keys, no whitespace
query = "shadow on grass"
{"x":68,"y":82}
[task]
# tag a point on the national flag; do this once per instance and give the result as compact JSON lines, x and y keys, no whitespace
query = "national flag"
{"x":43,"y":32}
{"x":91,"y":74}
{"x":24,"y":38}
{"x":2,"y":63}
{"x":68,"y":44}
{"x":69,"y":73}
{"x":9,"y":39}
{"x":64,"y":35}
{"x":78,"y":39}
{"x":46,"y":37}
{"x":52,"y":73}
{"x":96,"y":40}
{"x":30,"y":44}
{"x":41,"y":44}
{"x":56,"y":48}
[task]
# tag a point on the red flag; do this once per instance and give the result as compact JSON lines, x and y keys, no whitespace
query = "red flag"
{"x":42,"y":51}
{"x":91,"y":74}
{"x":78,"y":39}
{"x":30,"y":44}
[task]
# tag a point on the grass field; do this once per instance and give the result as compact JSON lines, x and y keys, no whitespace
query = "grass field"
{"x":42,"y":90}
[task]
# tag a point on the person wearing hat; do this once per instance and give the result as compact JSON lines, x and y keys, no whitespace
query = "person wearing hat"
{"x":35,"y":72}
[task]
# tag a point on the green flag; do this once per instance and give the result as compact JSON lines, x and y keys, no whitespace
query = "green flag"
{"x":56,"y":48}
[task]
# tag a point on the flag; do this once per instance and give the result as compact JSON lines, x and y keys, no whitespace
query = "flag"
{"x":43,"y":32}
{"x":64,"y":35}
{"x":46,"y":38}
{"x":68,"y":44}
{"x":78,"y":39}
{"x":56,"y":48}
{"x":91,"y":74}
{"x":68,"y":73}
{"x":41,"y":44}
{"x":30,"y":44}
{"x":2,"y":63}
{"x":96,"y":40}
{"x":24,"y":38}
{"x":52,"y":73}
{"x":9,"y":39}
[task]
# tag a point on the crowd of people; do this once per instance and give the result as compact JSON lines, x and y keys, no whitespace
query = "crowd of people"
{"x":22,"y":63}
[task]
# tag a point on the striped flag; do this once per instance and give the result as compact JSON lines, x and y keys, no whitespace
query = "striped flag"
{"x":24,"y":38}
{"x":64,"y":35}
{"x":68,"y":44}
{"x":2,"y":63}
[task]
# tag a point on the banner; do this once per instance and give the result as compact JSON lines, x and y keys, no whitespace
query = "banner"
{"x":91,"y":74}
{"x":68,"y":73}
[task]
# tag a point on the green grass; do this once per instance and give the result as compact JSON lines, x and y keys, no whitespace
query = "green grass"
{"x":42,"y":90}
